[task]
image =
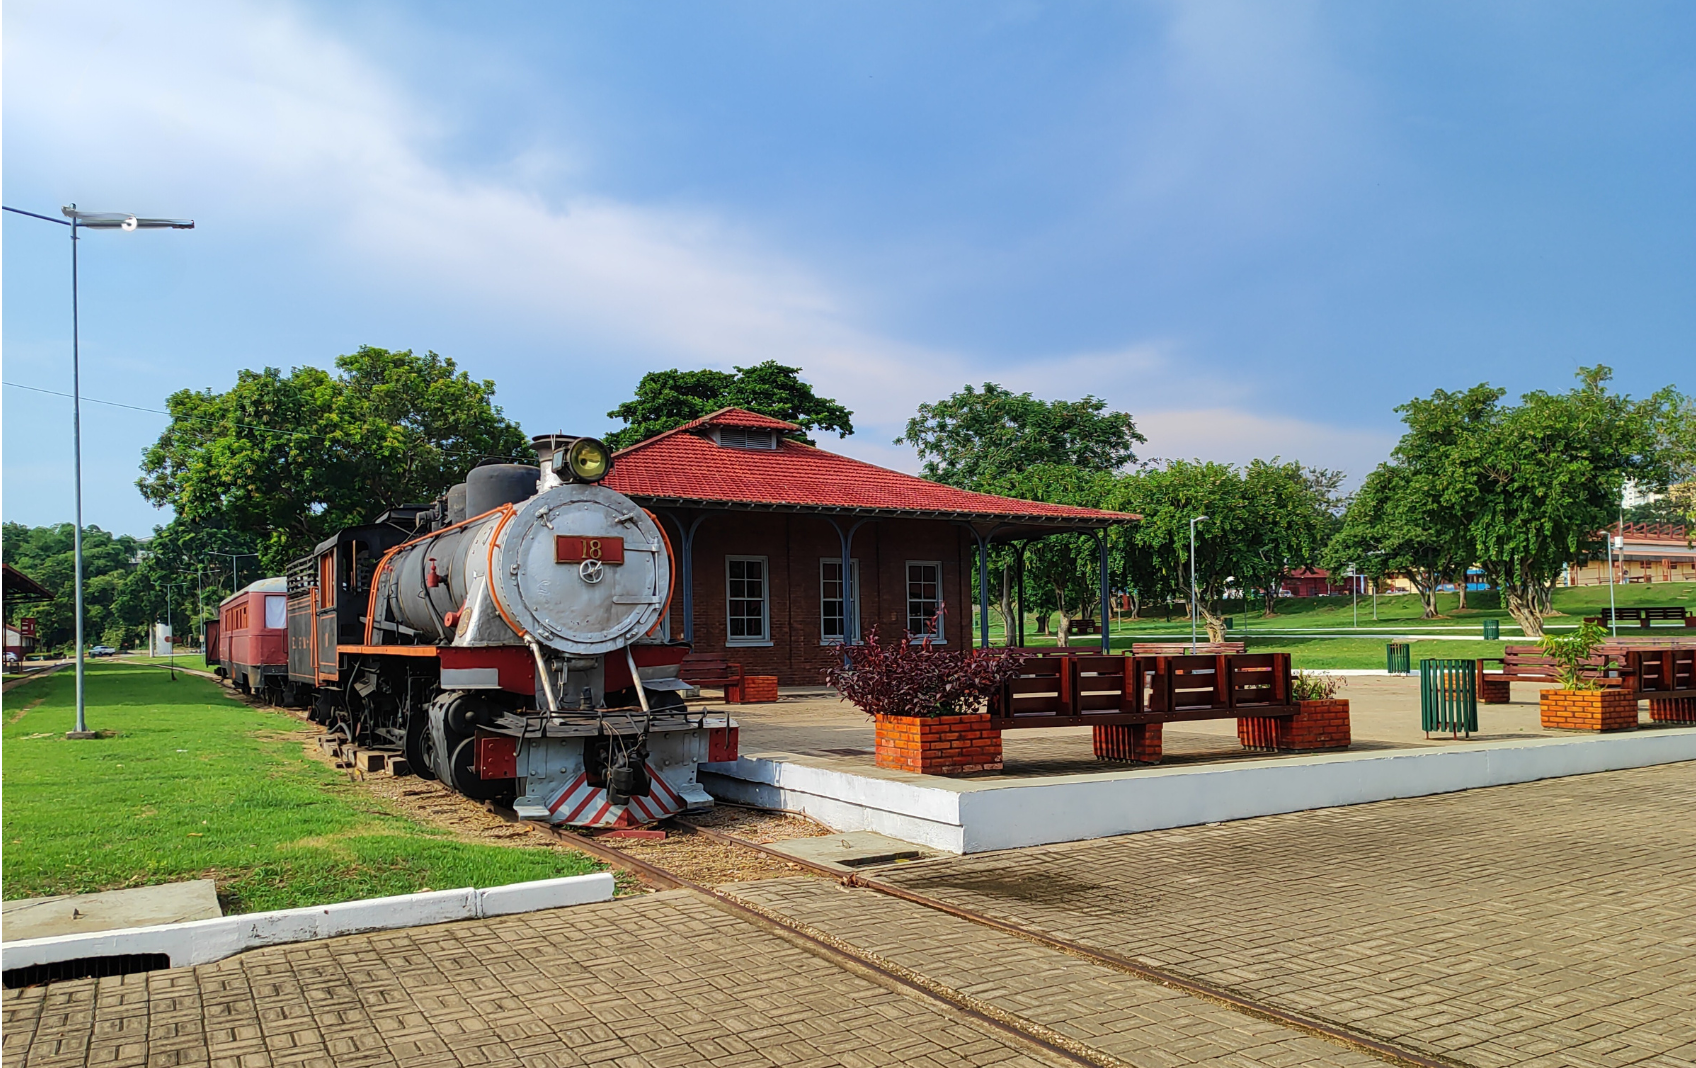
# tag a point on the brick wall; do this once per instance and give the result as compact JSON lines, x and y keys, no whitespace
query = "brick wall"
{"x":793,"y":545}
{"x":1319,"y":725}
{"x":1589,"y":710}
{"x":938,"y":745}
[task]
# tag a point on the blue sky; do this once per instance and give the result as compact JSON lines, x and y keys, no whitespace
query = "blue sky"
{"x":1258,"y":227}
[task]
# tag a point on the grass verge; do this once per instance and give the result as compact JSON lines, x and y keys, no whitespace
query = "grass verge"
{"x":190,"y":783}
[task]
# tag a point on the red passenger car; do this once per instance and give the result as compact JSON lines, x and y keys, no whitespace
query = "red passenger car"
{"x":252,"y":648}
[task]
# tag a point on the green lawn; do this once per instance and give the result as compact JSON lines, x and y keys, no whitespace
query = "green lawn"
{"x":193,"y":784}
{"x":183,"y":660}
{"x":1401,"y":612}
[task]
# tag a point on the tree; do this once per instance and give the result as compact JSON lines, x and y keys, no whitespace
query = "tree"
{"x":975,"y":440}
{"x":288,"y":459}
{"x":1062,"y":569}
{"x":1537,"y":483}
{"x":1293,"y":508}
{"x":667,"y":399}
{"x":1168,"y":497}
{"x":47,"y":555}
{"x":1398,"y":524}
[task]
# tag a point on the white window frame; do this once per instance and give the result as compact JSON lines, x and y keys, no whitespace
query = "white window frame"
{"x":279,"y":601}
{"x":854,"y":583}
{"x":765,"y":602}
{"x":939,"y":638}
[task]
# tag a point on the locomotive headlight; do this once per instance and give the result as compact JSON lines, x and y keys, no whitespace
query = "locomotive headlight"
{"x":589,"y":460}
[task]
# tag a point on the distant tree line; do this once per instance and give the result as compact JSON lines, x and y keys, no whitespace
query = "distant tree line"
{"x":279,"y":461}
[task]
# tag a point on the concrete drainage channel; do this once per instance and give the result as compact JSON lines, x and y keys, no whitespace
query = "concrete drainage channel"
{"x":177,"y":945}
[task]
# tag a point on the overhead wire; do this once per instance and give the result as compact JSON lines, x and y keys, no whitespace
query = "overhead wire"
{"x":161,"y":411}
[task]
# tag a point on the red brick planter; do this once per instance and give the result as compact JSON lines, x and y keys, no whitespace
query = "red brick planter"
{"x":1589,"y":710}
{"x":938,"y":745}
{"x":1673,"y":709}
{"x":1319,"y":725}
{"x":1139,"y":743}
{"x":1493,"y":691}
{"x":752,"y":690}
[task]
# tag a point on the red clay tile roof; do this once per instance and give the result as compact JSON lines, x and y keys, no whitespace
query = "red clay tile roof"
{"x":739,"y":417}
{"x":682,"y":467}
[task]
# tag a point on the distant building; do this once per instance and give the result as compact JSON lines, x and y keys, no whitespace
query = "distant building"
{"x":1312,"y":582}
{"x":1652,"y":552}
{"x":760,"y":524}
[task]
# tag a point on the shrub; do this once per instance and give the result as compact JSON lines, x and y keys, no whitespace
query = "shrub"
{"x":1572,"y":654}
{"x":1314,"y":686}
{"x":914,"y":678}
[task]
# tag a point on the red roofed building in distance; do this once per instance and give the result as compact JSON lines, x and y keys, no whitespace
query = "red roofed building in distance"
{"x":761,"y":523}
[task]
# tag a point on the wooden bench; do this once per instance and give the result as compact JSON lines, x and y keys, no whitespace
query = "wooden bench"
{"x":1083,"y":626}
{"x":1126,"y":700}
{"x":1646,"y":615}
{"x":1528,"y":663}
{"x":699,"y":669}
{"x":1183,"y":648}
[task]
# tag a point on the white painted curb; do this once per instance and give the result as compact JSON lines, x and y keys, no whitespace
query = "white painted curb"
{"x":979,"y":815}
{"x":205,"y":941}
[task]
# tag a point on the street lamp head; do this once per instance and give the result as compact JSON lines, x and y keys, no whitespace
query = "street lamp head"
{"x":118,"y":220}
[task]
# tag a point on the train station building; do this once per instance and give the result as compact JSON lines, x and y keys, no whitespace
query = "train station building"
{"x":765,"y":527}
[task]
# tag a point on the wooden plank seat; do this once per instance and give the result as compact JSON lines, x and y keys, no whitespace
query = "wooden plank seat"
{"x":699,"y":669}
{"x":1183,"y":648}
{"x":1645,"y":615}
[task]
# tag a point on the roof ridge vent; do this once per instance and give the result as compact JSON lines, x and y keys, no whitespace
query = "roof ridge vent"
{"x":746,"y":437}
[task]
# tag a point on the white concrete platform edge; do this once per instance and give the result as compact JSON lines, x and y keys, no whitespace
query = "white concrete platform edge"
{"x":984,"y":814}
{"x":205,"y":941}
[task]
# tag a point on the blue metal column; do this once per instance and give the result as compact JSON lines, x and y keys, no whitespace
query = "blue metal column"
{"x":1106,"y":596}
{"x":850,"y":606}
{"x":686,"y":570}
{"x":983,"y":590}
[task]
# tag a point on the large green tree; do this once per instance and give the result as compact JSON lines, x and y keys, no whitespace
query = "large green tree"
{"x":667,"y":399}
{"x":1398,"y":524}
{"x":1062,"y":571}
{"x":1538,"y":482}
{"x":287,"y":459}
{"x":46,"y":555}
{"x":1294,"y":515}
{"x":1226,"y":542}
{"x":978,"y":439}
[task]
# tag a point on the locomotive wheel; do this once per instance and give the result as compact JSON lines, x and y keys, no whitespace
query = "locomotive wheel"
{"x":466,"y":780}
{"x":420,"y":746}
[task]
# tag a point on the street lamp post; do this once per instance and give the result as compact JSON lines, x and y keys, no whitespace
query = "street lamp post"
{"x":171,"y":628}
{"x":235,"y":584}
{"x":88,"y":220}
{"x":1194,"y":603}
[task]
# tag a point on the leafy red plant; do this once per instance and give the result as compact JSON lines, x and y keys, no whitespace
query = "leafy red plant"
{"x":915,"y":678}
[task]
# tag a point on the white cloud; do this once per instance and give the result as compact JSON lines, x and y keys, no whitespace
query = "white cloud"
{"x":1237,"y":436}
{"x":280,"y":131}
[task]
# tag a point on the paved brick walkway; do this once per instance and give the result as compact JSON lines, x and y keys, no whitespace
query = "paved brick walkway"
{"x":1546,"y":924}
{"x":668,"y":980}
{"x":1135,"y":1021}
{"x":1551,"y":923}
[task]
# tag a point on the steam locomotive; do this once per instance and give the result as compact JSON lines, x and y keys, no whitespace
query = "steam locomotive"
{"x":508,"y":638}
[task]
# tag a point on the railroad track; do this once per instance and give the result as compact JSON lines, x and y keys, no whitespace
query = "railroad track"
{"x":1044,"y":1040}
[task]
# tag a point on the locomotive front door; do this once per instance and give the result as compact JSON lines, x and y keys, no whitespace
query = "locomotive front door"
{"x":326,"y":622}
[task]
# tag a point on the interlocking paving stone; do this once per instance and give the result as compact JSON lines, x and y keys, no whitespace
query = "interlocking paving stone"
{"x":1139,"y":1022}
{"x":1549,"y":920}
{"x":665,"y":980}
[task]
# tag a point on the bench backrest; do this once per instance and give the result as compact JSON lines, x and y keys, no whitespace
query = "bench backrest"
{"x":1183,"y":648}
{"x":700,"y":668}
